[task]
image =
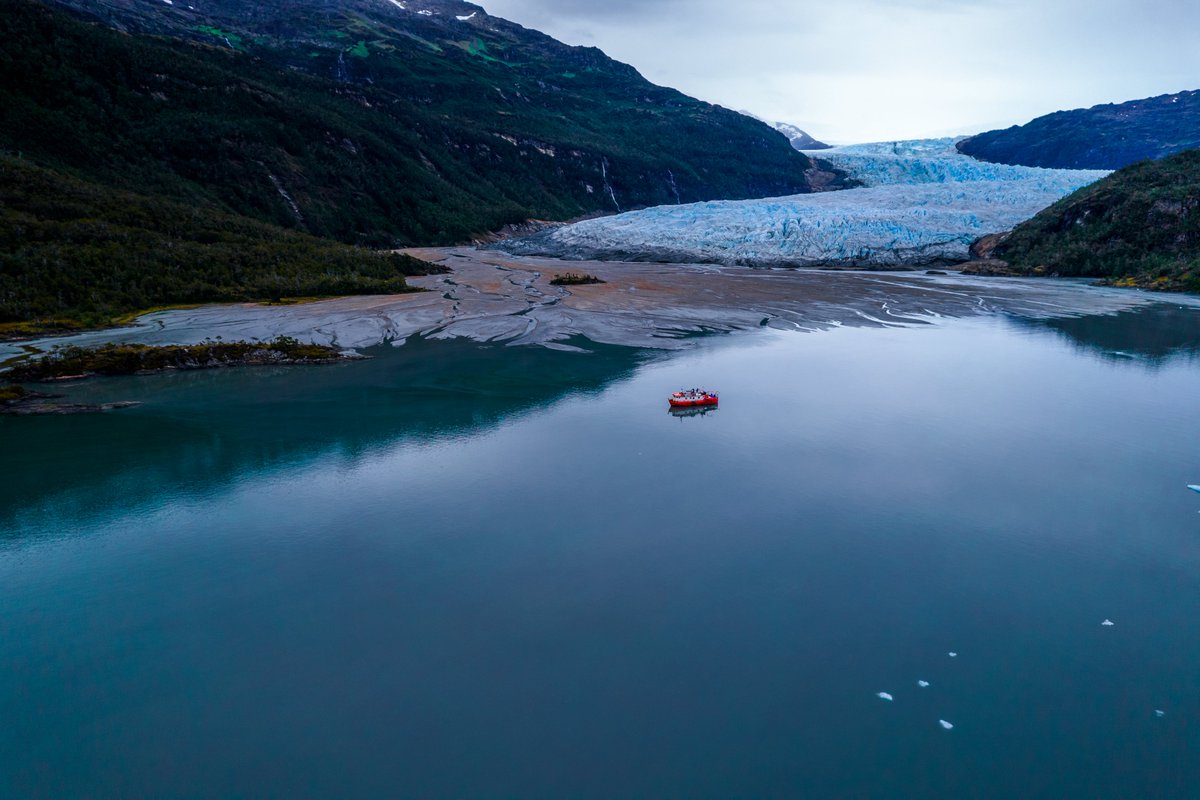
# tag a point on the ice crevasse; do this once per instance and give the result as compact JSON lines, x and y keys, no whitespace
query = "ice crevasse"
{"x":921,"y":202}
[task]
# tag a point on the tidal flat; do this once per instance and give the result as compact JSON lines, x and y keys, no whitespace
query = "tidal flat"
{"x":489,"y":296}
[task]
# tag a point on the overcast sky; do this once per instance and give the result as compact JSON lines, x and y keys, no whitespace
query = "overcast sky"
{"x":872,"y":70}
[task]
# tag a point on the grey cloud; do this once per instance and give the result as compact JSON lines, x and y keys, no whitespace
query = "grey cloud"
{"x":880,"y":69}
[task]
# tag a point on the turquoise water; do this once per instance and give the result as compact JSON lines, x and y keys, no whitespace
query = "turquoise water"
{"x":460,"y":570}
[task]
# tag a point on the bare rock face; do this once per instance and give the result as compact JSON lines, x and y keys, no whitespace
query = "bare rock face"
{"x":983,"y":247}
{"x":823,"y":177}
{"x":983,"y":261}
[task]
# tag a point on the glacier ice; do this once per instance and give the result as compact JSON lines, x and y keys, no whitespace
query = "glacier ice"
{"x":884,"y":696}
{"x":921,"y":202}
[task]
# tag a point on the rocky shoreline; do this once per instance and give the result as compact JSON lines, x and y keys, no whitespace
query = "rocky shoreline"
{"x":72,"y":363}
{"x":28,"y":404}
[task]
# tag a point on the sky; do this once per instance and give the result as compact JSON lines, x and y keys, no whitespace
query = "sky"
{"x":877,"y":70}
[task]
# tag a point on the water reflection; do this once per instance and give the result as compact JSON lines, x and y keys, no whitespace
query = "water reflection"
{"x":693,"y":411}
{"x":1151,"y":336}
{"x":199,"y":431}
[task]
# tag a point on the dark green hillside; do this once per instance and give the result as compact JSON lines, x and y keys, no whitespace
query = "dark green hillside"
{"x":362,"y":122}
{"x":1139,"y":227}
{"x":1102,"y":137}
{"x":73,"y":253}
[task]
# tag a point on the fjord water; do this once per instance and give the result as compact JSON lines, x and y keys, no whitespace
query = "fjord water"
{"x":464,"y":570}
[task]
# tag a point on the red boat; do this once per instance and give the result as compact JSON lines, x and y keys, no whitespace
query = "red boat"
{"x":687,"y":398}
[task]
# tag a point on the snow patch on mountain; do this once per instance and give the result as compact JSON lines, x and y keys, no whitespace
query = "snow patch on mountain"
{"x":922,"y":202}
{"x":800,"y":139}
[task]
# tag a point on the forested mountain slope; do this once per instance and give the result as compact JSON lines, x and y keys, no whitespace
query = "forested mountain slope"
{"x":370,"y":123}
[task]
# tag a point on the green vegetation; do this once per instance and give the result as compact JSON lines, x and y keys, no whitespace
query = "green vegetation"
{"x":41,"y":327}
{"x":231,"y":38}
{"x":130,"y":359}
{"x":73,"y":254}
{"x":1138,"y":227}
{"x":478,"y":48}
{"x":403,"y":148}
{"x":11,"y":393}
{"x":575,"y":279}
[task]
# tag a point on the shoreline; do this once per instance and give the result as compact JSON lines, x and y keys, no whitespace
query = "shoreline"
{"x":70,"y":365}
{"x":491,"y":296}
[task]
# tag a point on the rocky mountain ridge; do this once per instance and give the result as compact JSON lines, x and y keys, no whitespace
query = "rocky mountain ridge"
{"x":1107,"y":136}
{"x":490,"y":123}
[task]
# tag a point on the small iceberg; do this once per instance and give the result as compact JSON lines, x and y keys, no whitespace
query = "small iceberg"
{"x":885,"y":696}
{"x":923,"y":684}
{"x":946,"y":725}
{"x":1158,"y":712}
{"x":1108,"y":623}
{"x":952,"y":655}
{"x":1194,"y":487}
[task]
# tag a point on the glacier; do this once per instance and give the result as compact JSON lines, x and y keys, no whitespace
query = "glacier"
{"x":921,"y":203}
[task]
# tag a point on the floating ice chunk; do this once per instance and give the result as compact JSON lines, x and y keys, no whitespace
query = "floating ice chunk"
{"x":1194,"y":487}
{"x":944,"y":724}
{"x":953,"y":655}
{"x":885,"y":696}
{"x":923,"y":684}
{"x":1108,"y":623}
{"x":1158,"y":712}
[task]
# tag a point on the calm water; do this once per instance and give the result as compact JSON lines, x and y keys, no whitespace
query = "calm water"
{"x":475,"y":571}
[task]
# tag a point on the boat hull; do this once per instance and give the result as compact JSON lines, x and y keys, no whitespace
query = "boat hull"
{"x":680,"y":402}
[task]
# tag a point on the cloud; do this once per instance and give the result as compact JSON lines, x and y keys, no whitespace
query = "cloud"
{"x":883,"y":69}
{"x":587,"y":10}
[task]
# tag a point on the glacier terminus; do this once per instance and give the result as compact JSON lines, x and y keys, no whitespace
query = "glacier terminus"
{"x":921,"y":203}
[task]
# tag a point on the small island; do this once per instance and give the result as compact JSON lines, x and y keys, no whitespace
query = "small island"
{"x":75,"y":363}
{"x":20,"y":402}
{"x":575,"y":279}
{"x":139,"y":359}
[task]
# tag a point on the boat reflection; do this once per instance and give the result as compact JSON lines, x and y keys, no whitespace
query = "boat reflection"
{"x":691,"y":411}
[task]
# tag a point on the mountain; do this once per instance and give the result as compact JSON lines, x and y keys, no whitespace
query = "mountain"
{"x":1138,"y":227}
{"x":77,"y":254}
{"x":1101,"y":137}
{"x":165,"y":151}
{"x":371,"y":122}
{"x":799,"y":139}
